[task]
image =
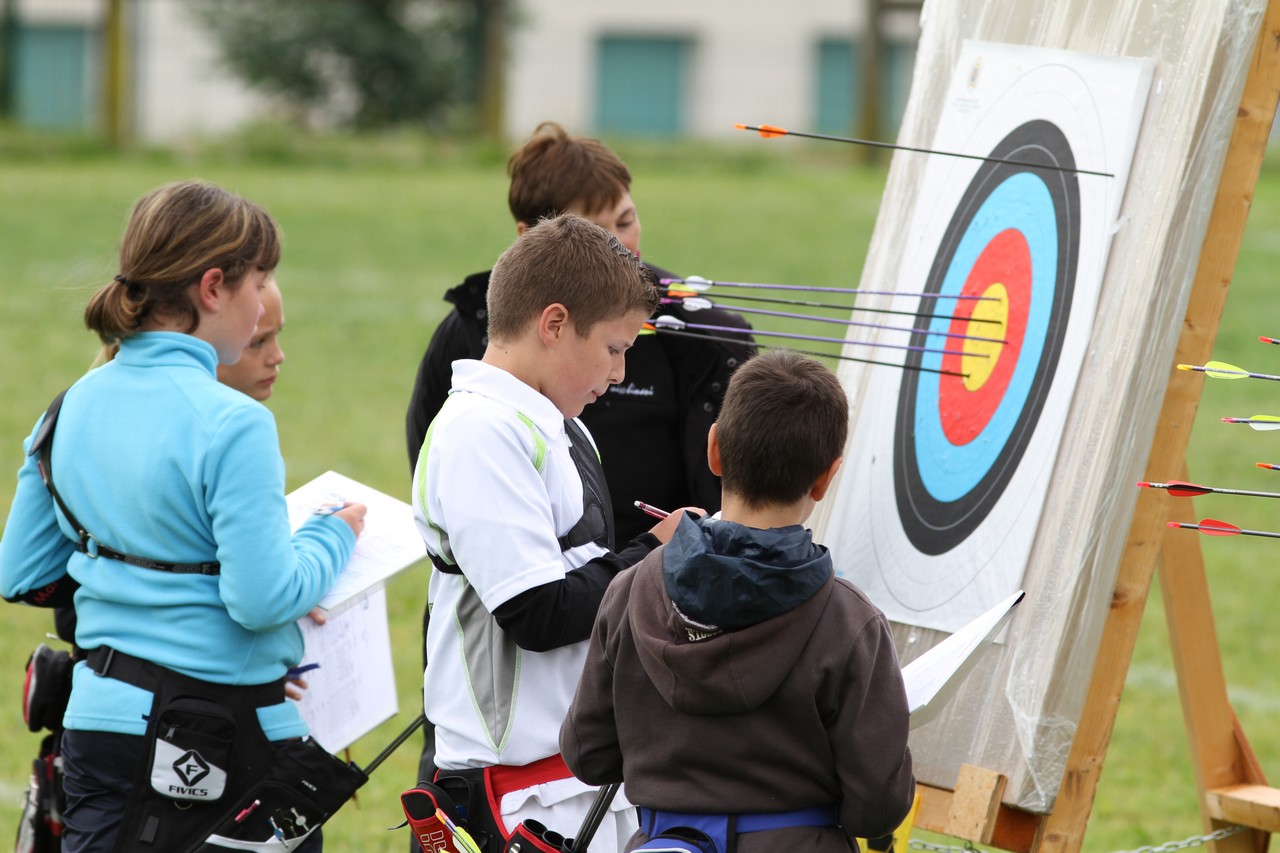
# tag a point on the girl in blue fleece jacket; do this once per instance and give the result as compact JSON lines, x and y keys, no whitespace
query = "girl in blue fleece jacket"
{"x":157,"y":459}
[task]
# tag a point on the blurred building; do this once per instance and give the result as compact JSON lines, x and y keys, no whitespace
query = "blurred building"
{"x":662,"y":68}
{"x":172,"y":84}
{"x":696,"y":67}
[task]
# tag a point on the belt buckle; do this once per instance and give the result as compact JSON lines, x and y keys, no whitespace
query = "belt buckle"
{"x":106,"y":664}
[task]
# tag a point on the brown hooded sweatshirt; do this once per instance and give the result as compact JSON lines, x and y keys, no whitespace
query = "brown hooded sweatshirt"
{"x":731,"y":672}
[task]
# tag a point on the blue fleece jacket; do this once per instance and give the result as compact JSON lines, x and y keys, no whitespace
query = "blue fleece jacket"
{"x":157,"y":459}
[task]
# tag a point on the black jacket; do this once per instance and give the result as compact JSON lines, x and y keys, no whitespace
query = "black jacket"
{"x":651,"y":429}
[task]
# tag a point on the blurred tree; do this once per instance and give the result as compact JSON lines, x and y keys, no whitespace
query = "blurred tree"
{"x":367,"y":63}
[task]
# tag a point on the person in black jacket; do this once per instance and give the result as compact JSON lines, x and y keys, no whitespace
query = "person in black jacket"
{"x":651,"y":429}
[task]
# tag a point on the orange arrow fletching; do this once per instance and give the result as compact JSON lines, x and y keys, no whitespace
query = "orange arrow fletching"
{"x":768,"y":131}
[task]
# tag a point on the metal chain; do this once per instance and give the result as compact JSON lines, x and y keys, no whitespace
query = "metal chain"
{"x":1193,"y":841}
{"x":1167,"y":847}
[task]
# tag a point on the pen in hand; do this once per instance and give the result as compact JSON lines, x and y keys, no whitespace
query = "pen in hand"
{"x":296,"y":671}
{"x":648,"y":509}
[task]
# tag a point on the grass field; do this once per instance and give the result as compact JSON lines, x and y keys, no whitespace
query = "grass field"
{"x":376,"y":231}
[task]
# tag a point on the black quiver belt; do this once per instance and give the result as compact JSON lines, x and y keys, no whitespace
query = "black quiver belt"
{"x":208,"y":773}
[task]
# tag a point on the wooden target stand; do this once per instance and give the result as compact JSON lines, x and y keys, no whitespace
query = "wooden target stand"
{"x":1228,"y":777}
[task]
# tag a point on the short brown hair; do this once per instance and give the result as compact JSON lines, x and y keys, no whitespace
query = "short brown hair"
{"x":783,"y":422}
{"x":175,"y":233}
{"x":554,"y":171}
{"x":570,"y":261}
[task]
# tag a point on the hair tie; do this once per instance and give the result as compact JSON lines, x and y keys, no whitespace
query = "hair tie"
{"x":133,"y":289}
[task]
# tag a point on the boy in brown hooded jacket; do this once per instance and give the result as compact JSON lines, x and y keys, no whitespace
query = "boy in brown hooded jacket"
{"x":744,"y":693}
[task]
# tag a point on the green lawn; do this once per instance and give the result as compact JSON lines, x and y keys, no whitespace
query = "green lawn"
{"x":374,"y":236}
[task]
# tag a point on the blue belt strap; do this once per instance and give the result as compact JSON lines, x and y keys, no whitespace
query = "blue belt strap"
{"x":812,"y":816}
{"x":658,"y":820}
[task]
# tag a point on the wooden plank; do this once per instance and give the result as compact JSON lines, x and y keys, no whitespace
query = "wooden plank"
{"x":1064,"y":830}
{"x":1245,"y":805}
{"x":1015,"y":830}
{"x":974,"y":804}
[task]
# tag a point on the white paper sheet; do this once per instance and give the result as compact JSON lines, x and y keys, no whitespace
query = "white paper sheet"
{"x":354,"y":688}
{"x":389,"y":543}
{"x":933,"y":678}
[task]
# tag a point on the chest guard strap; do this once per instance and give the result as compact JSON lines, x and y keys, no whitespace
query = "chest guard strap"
{"x":42,"y":446}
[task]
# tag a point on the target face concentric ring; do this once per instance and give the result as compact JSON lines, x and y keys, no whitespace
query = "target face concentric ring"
{"x":1013,"y":240}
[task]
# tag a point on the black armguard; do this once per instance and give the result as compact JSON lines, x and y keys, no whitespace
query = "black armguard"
{"x":60,"y":593}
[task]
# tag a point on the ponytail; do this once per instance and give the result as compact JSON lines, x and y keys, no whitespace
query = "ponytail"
{"x":115,"y":311}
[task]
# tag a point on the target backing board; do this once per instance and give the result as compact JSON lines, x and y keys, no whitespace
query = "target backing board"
{"x":951,"y":457}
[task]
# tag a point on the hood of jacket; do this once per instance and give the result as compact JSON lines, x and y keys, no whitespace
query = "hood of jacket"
{"x":722,"y":621}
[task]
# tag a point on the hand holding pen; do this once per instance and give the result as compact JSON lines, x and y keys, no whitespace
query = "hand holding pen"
{"x":349,"y":511}
{"x":666,"y":528}
{"x":294,"y":683}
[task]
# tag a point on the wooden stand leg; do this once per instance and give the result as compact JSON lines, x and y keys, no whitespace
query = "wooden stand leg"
{"x":1221,"y":757}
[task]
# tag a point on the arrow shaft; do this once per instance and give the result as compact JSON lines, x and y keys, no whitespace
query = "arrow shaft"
{"x":1194,"y":488}
{"x":866,"y":325}
{"x":813,"y":289}
{"x":822,"y":339}
{"x":1213,"y":530}
{"x":736,"y":297}
{"x":872,"y":143}
{"x":1246,"y":493}
{"x":1229,"y":372}
{"x":837,"y":356}
{"x":1269,"y":534}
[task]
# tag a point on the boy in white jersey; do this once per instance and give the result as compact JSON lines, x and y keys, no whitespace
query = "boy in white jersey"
{"x":511,"y":501}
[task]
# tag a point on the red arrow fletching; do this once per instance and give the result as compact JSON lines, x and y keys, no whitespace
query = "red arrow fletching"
{"x":1213,"y":527}
{"x":1178,"y":488}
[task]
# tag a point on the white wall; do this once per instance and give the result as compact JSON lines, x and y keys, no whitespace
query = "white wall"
{"x":751,"y":61}
{"x":79,"y":12}
{"x":182,"y":87}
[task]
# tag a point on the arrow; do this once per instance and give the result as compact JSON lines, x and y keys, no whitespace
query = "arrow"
{"x":1267,"y":340}
{"x":667,"y":323}
{"x":769,"y":131}
{"x":1222,"y":370}
{"x":649,"y":329}
{"x":701,"y":285}
{"x":699,"y":303}
{"x":1262,"y":423}
{"x":736,"y":297}
{"x":1270,"y":466}
{"x":1180,"y":489}
{"x":1213,"y":527}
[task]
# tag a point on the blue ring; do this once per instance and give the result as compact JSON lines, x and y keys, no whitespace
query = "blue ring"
{"x":950,"y":471}
{"x":936,"y":517}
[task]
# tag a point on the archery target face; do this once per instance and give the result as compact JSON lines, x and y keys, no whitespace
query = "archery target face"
{"x":950,"y":458}
{"x":1011,"y":248}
